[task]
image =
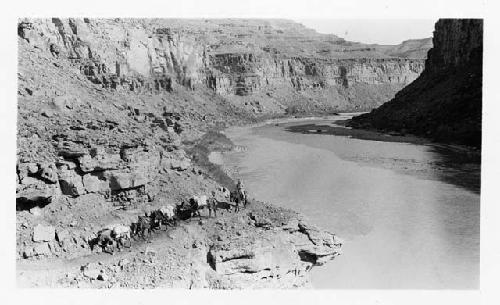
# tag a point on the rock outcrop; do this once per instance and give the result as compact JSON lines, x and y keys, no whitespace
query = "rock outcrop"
{"x":104,"y":173}
{"x":261,"y":247}
{"x":445,"y":102}
{"x":89,"y":154}
{"x":277,"y":59}
{"x":270,"y":247}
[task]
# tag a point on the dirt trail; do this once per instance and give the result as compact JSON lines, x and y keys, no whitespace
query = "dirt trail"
{"x":259,"y":246}
{"x":51,"y":271}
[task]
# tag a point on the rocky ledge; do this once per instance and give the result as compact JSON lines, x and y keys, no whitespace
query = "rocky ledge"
{"x":268,"y":247}
{"x":261,"y":246}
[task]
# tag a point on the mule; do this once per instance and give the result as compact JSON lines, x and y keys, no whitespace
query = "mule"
{"x":142,"y":227}
{"x":121,"y":234}
{"x":169,"y":214}
{"x":198,"y":203}
{"x":106,"y":241}
{"x":163,"y":217}
{"x":238,"y":197}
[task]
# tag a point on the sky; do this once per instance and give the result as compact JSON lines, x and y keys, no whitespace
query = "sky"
{"x":379,"y":31}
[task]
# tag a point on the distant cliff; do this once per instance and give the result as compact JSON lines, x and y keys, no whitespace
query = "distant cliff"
{"x":445,"y":101}
{"x":265,"y":66}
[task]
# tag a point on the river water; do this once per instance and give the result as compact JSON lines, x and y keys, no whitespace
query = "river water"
{"x":408,"y":213}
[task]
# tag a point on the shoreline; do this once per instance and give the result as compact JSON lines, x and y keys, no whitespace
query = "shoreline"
{"x":363,"y":133}
{"x":255,"y":230}
{"x":201,"y":149}
{"x":271,"y":152}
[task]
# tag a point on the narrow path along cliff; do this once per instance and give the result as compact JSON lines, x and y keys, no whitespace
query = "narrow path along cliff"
{"x":260,"y":247}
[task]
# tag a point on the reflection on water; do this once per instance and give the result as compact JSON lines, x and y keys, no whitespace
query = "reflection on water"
{"x":460,"y":168}
{"x":452,"y":164}
{"x":409,"y":214}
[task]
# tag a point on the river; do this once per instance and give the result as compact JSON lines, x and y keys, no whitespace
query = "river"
{"x":408,"y":213}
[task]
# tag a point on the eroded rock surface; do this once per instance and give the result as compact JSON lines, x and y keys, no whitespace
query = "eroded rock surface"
{"x":277,"y":255}
{"x":280,"y":62}
{"x":227,"y":252}
{"x":445,"y":102}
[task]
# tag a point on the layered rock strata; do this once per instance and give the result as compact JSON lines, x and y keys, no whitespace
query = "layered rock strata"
{"x":445,"y":102}
{"x":234,"y":58}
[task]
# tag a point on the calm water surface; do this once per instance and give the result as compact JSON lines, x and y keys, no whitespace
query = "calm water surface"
{"x":408,"y":214}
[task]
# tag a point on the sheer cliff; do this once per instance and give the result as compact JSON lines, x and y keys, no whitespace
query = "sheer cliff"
{"x":445,"y":101}
{"x":264,"y":66}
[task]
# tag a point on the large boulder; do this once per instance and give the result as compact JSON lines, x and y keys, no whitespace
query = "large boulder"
{"x":33,"y":189}
{"x":123,"y":180}
{"x":99,"y":162}
{"x":43,"y":233}
{"x":91,"y":183}
{"x":91,"y":270}
{"x":27,"y":31}
{"x":63,"y":235}
{"x":142,"y":161}
{"x":42,"y":250}
{"x":26,"y":169}
{"x":314,"y":245}
{"x":71,"y":183}
{"x":71,"y":150}
{"x":275,"y":254}
{"x":65,"y":164}
{"x":48,"y":171}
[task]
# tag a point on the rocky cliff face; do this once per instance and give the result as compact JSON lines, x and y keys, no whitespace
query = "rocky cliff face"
{"x":242,"y":74}
{"x":445,"y":102}
{"x":412,"y":48}
{"x":110,"y":113}
{"x":274,"y":58}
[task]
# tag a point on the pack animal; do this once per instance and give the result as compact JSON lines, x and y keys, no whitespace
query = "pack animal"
{"x":198,"y":203}
{"x":224,"y":205}
{"x":142,"y":227}
{"x":106,"y":241}
{"x":239,"y":198}
{"x":121,"y":234}
{"x":163,"y":217}
{"x":169,"y":214}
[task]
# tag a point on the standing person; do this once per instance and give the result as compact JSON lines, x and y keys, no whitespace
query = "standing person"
{"x":212,"y":205}
{"x":239,"y":185}
{"x":241,"y":192}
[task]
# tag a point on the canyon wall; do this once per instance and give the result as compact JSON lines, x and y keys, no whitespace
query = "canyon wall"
{"x":242,"y":74}
{"x":278,"y":61}
{"x":445,"y":102}
{"x":110,"y":112}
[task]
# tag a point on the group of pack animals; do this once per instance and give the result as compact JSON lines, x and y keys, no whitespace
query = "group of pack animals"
{"x":118,"y":236}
